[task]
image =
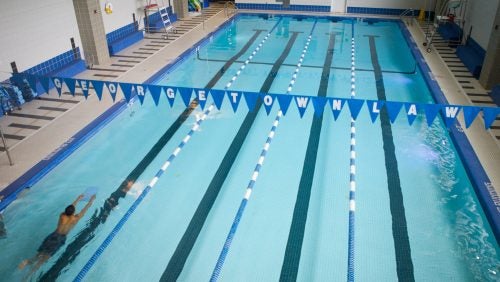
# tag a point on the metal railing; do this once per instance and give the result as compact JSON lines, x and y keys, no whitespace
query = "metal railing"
{"x":408,"y":14}
{"x":6,"y":147}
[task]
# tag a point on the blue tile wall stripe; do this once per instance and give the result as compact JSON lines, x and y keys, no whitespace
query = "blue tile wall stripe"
{"x":379,"y":11}
{"x":308,"y":8}
{"x":55,"y":63}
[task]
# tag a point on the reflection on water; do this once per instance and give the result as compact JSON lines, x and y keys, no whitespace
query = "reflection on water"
{"x":473,"y":242}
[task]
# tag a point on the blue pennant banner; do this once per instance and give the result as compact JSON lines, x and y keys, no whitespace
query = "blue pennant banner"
{"x":489,"y":116}
{"x":45,"y":82}
{"x":268,"y":100}
{"x":98,"y":87}
{"x":84,"y":85}
{"x":431,"y":111}
{"x":355,"y":106}
{"x":155,"y":91}
{"x":218,"y":97}
{"x":234,"y":98}
{"x":393,"y":109}
{"x":319,"y":105}
{"x":302,"y":102}
{"x":71,"y":84}
{"x":58,"y":82}
{"x":450,"y":114}
{"x":186,"y":94}
{"x":202,"y":96}
{"x":470,"y":114}
{"x":32,"y":79}
{"x":140,"y":91}
{"x":411,"y":112}
{"x":374,"y":108}
{"x":337,"y":104}
{"x":127,"y":90}
{"x":171,"y":92}
{"x":251,"y":99}
{"x":112,"y":88}
{"x":284,"y":102}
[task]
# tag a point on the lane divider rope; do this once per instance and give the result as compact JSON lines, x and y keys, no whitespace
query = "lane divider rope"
{"x":83,"y":272}
{"x":352,"y":174}
{"x":229,"y":239}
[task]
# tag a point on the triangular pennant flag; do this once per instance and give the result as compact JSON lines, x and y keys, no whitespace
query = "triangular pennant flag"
{"x":336,"y":104}
{"x":374,"y":108}
{"x":32,"y":79}
{"x":98,"y":87}
{"x":57,"y":84}
{"x":84,"y":85}
{"x":489,"y":116}
{"x":202,"y":96}
{"x":218,"y":97}
{"x":355,"y":106}
{"x":470,"y":114}
{"x":126,"y":90}
{"x":268,"y":100}
{"x":302,"y":102}
{"x":140,"y":91}
{"x":112,"y":88}
{"x":393,"y":109}
{"x":431,"y":111}
{"x":450,"y":114}
{"x":234,"y":98}
{"x":45,"y":82}
{"x":319,"y":105}
{"x":411,"y":112}
{"x":251,"y":99}
{"x":155,"y":91}
{"x":284,"y":101}
{"x":186,"y":95}
{"x":171,"y":92}
{"x":71,"y":84}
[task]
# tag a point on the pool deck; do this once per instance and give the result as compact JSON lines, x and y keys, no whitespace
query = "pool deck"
{"x":71,"y":117}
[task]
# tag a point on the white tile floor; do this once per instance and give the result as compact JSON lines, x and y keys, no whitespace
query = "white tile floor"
{"x":40,"y":143}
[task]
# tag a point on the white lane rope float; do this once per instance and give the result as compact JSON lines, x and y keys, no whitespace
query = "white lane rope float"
{"x":352,"y":174}
{"x":225,"y":249}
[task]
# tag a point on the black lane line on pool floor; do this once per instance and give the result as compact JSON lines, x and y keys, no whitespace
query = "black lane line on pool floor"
{"x":290,"y":267}
{"x":101,"y":215}
{"x":181,"y":254}
{"x":404,"y":264}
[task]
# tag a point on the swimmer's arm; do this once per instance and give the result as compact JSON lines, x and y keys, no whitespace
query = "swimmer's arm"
{"x":87,"y":206}
{"x":77,"y":200}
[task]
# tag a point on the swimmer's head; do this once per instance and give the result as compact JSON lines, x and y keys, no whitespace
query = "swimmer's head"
{"x":70,"y":210}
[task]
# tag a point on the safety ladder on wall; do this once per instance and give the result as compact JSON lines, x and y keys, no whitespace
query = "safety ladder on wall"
{"x":153,"y":7}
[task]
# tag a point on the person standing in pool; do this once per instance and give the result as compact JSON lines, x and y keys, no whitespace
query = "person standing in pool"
{"x":67,"y":220}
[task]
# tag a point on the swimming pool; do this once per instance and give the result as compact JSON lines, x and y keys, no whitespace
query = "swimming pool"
{"x":417,"y":216}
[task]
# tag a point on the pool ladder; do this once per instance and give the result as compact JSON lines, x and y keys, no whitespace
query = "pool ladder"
{"x":6,"y":147}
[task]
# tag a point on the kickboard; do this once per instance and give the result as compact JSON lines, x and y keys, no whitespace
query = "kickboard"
{"x":89,"y":192}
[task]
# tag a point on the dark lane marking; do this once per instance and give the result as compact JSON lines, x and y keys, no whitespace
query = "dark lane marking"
{"x":112,"y":70}
{"x":404,"y":263}
{"x":181,"y":254}
{"x":100,"y":216}
{"x":56,"y":109}
{"x":130,"y":56}
{"x":123,"y":66}
{"x":24,"y":126}
{"x":13,"y":136}
{"x":58,"y":100}
{"x":31,"y":116}
{"x":290,"y":267}
{"x":105,"y":75}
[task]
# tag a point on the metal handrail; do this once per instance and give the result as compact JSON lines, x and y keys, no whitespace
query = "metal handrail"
{"x":6,"y":147}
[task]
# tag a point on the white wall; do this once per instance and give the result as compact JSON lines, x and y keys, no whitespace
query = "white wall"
{"x":33,"y":31}
{"x":481,"y":15}
{"x":393,"y":4}
{"x":122,"y":13}
{"x":292,"y":2}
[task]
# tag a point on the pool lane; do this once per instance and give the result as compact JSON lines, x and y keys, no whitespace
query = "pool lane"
{"x":74,"y":247}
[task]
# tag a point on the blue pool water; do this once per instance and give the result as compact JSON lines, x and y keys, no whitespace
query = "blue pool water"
{"x":179,"y":229}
